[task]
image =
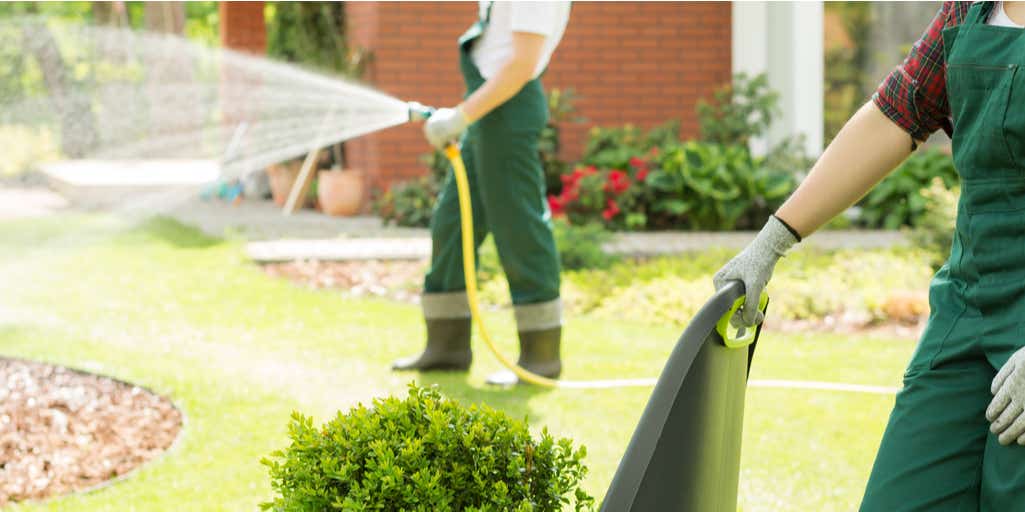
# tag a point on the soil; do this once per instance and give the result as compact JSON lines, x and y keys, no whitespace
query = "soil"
{"x":63,"y":431}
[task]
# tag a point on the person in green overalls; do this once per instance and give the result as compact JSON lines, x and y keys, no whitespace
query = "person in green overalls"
{"x":498,"y":125}
{"x":955,"y":437}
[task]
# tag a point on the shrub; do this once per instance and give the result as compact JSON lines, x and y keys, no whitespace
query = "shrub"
{"x":715,"y":187}
{"x":409,"y":203}
{"x":613,"y":148}
{"x":738,"y":111}
{"x":580,"y":247}
{"x":934,"y":230}
{"x":898,"y":201}
{"x":613,"y":198}
{"x":424,"y":453}
{"x":809,"y":284}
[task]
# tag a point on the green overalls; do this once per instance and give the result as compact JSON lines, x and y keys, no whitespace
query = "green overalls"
{"x":937,"y":453}
{"x":508,"y":197}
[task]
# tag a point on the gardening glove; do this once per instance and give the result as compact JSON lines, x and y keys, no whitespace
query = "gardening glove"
{"x":445,"y":126}
{"x":754,"y":267}
{"x":1005,"y":412}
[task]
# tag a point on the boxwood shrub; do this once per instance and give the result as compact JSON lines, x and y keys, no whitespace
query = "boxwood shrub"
{"x":424,"y":453}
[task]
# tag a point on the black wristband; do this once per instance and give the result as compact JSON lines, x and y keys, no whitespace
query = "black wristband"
{"x":790,"y":229}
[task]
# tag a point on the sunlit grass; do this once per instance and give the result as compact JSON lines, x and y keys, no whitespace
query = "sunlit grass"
{"x":189,"y":317}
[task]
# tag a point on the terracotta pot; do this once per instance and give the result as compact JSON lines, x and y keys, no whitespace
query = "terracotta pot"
{"x":282,"y":178}
{"x":340,"y":192}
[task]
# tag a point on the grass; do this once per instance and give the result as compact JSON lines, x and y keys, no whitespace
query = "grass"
{"x":189,"y":317}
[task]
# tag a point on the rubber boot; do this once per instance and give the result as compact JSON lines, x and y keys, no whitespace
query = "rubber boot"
{"x":448,"y":347}
{"x":539,"y":353}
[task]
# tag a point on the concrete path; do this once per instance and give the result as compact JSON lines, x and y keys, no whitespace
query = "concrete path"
{"x":22,"y":202}
{"x":384,"y":247}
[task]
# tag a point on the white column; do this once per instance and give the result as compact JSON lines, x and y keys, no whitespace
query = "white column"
{"x":785,"y":40}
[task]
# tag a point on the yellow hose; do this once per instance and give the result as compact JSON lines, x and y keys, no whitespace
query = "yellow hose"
{"x":470,"y":273}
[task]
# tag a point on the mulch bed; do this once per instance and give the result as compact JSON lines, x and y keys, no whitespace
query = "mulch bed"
{"x":63,"y":430}
{"x":394,"y":279}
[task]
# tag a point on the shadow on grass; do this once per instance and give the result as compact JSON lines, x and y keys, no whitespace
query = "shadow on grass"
{"x":173,"y":233}
{"x":82,"y":230}
{"x":513,"y":401}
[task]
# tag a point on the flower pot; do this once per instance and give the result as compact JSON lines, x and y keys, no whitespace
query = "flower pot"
{"x":282,"y":177}
{"x":340,"y":192}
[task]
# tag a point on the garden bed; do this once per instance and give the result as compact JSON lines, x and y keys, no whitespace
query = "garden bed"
{"x":816,"y":290}
{"x":63,"y":430}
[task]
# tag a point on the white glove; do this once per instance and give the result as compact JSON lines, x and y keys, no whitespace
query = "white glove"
{"x":1005,"y":412}
{"x":754,"y":267}
{"x":445,"y":127}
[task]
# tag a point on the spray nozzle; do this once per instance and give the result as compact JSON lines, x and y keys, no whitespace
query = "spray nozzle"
{"x":419,"y":111}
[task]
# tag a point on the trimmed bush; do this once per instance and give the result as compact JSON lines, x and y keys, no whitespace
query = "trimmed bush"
{"x":425,"y":453}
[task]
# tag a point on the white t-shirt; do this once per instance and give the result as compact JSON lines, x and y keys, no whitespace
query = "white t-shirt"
{"x":495,"y":46}
{"x":1000,"y":18}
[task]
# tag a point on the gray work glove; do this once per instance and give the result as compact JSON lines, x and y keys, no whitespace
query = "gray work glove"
{"x":445,"y":127}
{"x":754,"y":267}
{"x":1005,"y":412}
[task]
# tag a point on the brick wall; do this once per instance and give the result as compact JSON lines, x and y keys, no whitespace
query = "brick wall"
{"x":642,"y":63}
{"x":243,"y":27}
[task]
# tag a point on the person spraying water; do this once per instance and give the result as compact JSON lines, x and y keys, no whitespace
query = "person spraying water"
{"x":498,"y":125}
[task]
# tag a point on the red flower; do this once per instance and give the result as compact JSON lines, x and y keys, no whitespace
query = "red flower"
{"x":642,"y":173}
{"x":570,"y":192}
{"x":637,"y":162}
{"x":610,"y":211}
{"x":556,"y":206}
{"x":654,"y":152}
{"x":618,"y":182}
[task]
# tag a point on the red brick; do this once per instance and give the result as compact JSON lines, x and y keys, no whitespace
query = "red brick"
{"x":642,"y":63}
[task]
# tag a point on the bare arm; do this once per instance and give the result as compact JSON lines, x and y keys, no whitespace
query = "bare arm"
{"x":868,"y":148}
{"x":509,"y":79}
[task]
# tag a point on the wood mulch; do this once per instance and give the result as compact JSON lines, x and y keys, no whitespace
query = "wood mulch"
{"x":394,"y":279}
{"x":63,"y":431}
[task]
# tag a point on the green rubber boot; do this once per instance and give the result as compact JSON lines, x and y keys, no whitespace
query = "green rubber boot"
{"x":448,"y":348}
{"x":539,"y":353}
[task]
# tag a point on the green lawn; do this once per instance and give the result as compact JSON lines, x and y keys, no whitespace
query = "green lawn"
{"x":190,"y":318}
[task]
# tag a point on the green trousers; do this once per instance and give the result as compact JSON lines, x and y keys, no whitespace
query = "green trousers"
{"x":508,"y":197}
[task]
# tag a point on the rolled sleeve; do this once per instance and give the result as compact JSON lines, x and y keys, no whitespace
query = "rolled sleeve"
{"x":914,"y":95}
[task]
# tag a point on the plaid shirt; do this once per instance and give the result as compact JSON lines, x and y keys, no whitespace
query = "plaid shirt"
{"x":914,"y":96}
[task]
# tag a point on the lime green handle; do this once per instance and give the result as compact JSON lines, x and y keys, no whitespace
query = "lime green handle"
{"x":723,"y":327}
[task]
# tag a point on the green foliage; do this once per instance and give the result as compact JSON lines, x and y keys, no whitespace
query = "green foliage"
{"x":711,"y":186}
{"x":312,"y":33}
{"x":580,"y":247}
{"x":203,"y":22}
{"x":409,"y":203}
{"x":425,"y":453}
{"x":739,"y":111}
{"x":845,"y":85}
{"x":897,"y":201}
{"x":613,"y":148}
{"x":934,"y":230}
{"x":809,"y":284}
